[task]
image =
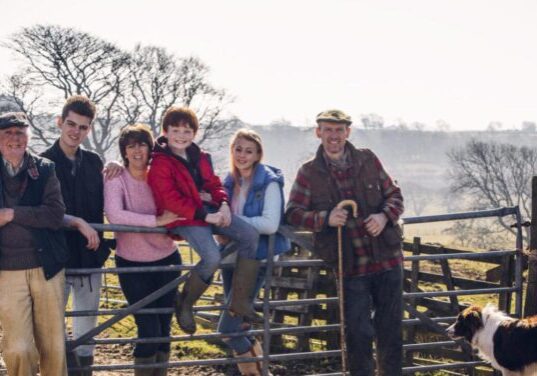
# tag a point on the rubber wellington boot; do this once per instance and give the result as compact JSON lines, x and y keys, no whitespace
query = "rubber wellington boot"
{"x":162,"y":357}
{"x":86,"y":361}
{"x":184,"y":301}
{"x":73,"y":361}
{"x":144,"y":371}
{"x":251,"y":368}
{"x":243,"y":289}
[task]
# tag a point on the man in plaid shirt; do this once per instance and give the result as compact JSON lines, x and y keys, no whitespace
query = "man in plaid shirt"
{"x":372,"y":255}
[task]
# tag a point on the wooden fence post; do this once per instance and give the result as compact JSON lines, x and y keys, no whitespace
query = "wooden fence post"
{"x":530,"y":306}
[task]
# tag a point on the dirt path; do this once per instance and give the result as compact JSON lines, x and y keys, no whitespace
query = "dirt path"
{"x":117,"y":354}
{"x":121,"y":355}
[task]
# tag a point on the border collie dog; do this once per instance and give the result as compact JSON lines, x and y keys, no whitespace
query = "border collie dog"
{"x":509,"y":344}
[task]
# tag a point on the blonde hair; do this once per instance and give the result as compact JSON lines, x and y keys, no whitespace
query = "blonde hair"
{"x":248,"y":135}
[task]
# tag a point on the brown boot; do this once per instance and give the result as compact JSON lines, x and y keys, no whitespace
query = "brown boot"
{"x":252,"y":368}
{"x":184,"y":301}
{"x":144,"y":371}
{"x":162,"y":357}
{"x":242,"y":290}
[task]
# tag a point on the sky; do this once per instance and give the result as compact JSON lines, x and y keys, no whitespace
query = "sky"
{"x":464,"y":62}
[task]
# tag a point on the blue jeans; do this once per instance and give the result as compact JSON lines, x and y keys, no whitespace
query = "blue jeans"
{"x":201,"y":239}
{"x":373,"y":308}
{"x":230,"y":324}
{"x":137,"y":286}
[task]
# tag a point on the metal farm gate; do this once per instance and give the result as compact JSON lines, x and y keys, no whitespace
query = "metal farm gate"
{"x":510,"y":284}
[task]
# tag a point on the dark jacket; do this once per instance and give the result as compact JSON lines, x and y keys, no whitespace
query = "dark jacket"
{"x":176,"y":183}
{"x":51,"y":247}
{"x":83,"y":196}
{"x":255,"y":201}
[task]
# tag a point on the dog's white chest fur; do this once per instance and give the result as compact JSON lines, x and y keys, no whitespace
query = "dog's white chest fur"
{"x":483,"y":338}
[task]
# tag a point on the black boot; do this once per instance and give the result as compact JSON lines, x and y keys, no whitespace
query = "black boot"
{"x":243,"y":288}
{"x":86,"y":361}
{"x":73,"y":361}
{"x":162,"y":357}
{"x":184,"y":301}
{"x":144,"y":371}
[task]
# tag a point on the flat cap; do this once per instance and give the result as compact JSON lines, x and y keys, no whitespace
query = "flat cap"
{"x":14,"y":119}
{"x":334,"y":116}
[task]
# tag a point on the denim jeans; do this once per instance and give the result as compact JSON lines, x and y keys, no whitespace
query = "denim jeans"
{"x":373,"y":309}
{"x":137,"y":286}
{"x":32,"y":316}
{"x":86,"y":291}
{"x":230,"y":324}
{"x":201,"y":239}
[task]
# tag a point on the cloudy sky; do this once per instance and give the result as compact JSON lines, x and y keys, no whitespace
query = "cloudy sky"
{"x":467,"y":62}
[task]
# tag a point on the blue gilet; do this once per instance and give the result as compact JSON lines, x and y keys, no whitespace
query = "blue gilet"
{"x":253,"y":207}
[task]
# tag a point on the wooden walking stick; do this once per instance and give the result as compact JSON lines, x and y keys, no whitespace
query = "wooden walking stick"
{"x":340,"y":292}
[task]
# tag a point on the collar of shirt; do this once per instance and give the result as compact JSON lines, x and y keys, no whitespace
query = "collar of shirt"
{"x":341,"y":164}
{"x":14,"y":170}
{"x":77,"y":162}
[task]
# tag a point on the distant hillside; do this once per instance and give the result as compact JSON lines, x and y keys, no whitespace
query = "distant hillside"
{"x":417,"y":159}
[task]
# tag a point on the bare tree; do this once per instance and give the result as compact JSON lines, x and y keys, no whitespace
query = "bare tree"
{"x":372,"y":121}
{"x":442,"y":126}
{"x":494,"y":126}
{"x":417,"y":126}
{"x":158,"y":80}
{"x":528,"y":126}
{"x":477,"y":234}
{"x":58,"y":62}
{"x":495,"y":175}
{"x":21,"y":94}
{"x":154,"y":84}
{"x":417,"y":196}
{"x":65,"y":61}
{"x":7,"y":104}
{"x":418,"y":201}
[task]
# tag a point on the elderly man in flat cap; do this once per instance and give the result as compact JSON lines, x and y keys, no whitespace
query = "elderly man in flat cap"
{"x":372,"y":256}
{"x":32,"y":256}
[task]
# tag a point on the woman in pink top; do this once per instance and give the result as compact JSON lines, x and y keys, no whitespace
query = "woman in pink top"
{"x":129,"y":201}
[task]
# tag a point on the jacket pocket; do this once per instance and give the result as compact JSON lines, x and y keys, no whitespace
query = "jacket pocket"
{"x":392,"y":234}
{"x":373,"y":195}
{"x":325,"y":245}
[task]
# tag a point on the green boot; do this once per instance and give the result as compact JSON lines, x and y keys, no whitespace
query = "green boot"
{"x":184,"y":301}
{"x":162,"y":357}
{"x":243,"y":288}
{"x":144,"y":371}
{"x":86,"y":361}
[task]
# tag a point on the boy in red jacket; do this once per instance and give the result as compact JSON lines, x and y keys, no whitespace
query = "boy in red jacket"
{"x":183,"y":182}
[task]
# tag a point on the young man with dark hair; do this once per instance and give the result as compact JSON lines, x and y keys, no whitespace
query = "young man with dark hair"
{"x":372,"y":255}
{"x":32,"y":256}
{"x":81,"y":178}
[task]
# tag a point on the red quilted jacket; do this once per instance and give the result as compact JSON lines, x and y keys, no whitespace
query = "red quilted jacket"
{"x":174,"y":188}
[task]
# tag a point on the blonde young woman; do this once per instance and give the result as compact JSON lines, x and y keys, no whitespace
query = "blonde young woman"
{"x":256,"y":196}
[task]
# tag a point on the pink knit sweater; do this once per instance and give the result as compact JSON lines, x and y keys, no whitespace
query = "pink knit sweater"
{"x":128,"y":201}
